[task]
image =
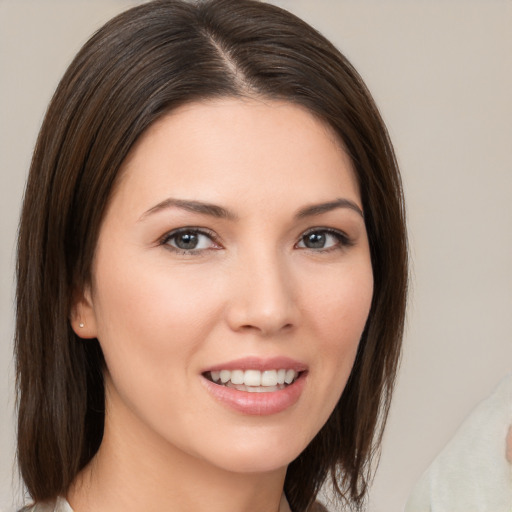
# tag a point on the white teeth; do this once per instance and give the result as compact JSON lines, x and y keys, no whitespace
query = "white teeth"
{"x":269,"y":378}
{"x":237,"y":377}
{"x":290,"y":375}
{"x":255,"y":381}
{"x":254,"y":389}
{"x":252,"y":378}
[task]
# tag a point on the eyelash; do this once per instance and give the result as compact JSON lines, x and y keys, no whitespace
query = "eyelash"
{"x":194,"y":231}
{"x":343,"y":240}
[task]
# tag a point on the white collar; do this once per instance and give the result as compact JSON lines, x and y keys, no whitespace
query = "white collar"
{"x":61,"y":505}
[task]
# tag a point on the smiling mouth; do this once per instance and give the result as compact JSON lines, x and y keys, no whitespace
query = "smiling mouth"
{"x":254,"y":381}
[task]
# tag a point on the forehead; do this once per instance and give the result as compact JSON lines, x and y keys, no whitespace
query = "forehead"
{"x":233,"y":147}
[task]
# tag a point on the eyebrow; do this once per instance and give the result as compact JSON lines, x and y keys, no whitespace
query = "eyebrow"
{"x":192,"y":206}
{"x":318,"y":209}
{"x":214,"y":210}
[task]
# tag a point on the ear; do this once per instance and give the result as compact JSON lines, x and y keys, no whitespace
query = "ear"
{"x":82,"y":316}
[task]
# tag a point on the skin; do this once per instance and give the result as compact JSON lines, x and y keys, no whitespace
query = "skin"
{"x":251,"y":288}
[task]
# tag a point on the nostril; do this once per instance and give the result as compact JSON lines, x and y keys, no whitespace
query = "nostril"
{"x":266,"y":328}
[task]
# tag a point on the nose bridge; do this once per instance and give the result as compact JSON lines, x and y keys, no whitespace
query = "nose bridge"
{"x":264,"y":300}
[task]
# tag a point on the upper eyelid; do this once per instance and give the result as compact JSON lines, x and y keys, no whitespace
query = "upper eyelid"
{"x":191,"y":229}
{"x":324,"y":229}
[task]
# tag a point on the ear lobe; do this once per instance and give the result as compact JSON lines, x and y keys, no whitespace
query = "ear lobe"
{"x":82,"y":317}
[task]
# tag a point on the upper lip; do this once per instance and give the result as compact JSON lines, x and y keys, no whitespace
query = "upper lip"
{"x":258,"y":363}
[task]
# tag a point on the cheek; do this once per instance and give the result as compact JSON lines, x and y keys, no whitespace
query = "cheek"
{"x":335,"y":312}
{"x":342,"y":305}
{"x":150,"y":333}
{"x":338,"y":319}
{"x":150,"y":316}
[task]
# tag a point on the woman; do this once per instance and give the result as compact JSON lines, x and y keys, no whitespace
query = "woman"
{"x":211,"y":270}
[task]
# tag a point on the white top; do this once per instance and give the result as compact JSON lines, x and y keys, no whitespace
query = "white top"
{"x":472,"y":473}
{"x":61,"y":505}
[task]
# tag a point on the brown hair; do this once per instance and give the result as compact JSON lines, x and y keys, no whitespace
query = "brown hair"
{"x":139,"y":66}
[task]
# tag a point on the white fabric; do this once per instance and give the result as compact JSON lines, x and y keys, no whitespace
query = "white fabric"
{"x":472,"y":473}
{"x":61,"y":505}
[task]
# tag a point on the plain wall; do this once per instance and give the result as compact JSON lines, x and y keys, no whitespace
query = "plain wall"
{"x":441,"y":72}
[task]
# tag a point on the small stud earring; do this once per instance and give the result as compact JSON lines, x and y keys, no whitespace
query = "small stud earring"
{"x":81,"y":325}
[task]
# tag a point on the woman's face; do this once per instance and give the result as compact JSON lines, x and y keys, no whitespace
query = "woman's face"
{"x":231,"y":284}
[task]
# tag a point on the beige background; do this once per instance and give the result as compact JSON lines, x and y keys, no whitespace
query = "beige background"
{"x":441,"y":72}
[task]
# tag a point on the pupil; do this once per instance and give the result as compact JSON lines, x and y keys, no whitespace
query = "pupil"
{"x":187,"y":241}
{"x":315,"y":240}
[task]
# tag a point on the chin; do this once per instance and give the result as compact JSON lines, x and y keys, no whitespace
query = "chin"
{"x":251,"y":464}
{"x":268,"y":453}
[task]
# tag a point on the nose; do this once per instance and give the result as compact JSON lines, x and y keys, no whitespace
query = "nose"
{"x":264,"y":299}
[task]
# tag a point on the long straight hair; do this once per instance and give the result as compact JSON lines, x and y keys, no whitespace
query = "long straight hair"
{"x":138,"y":67}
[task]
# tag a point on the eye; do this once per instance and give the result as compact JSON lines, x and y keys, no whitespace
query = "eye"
{"x":190,"y":240}
{"x":323,"y":239}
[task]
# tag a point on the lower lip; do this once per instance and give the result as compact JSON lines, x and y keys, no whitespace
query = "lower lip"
{"x":257,"y":404}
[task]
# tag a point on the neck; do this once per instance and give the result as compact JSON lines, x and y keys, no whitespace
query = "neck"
{"x":137,"y":470}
